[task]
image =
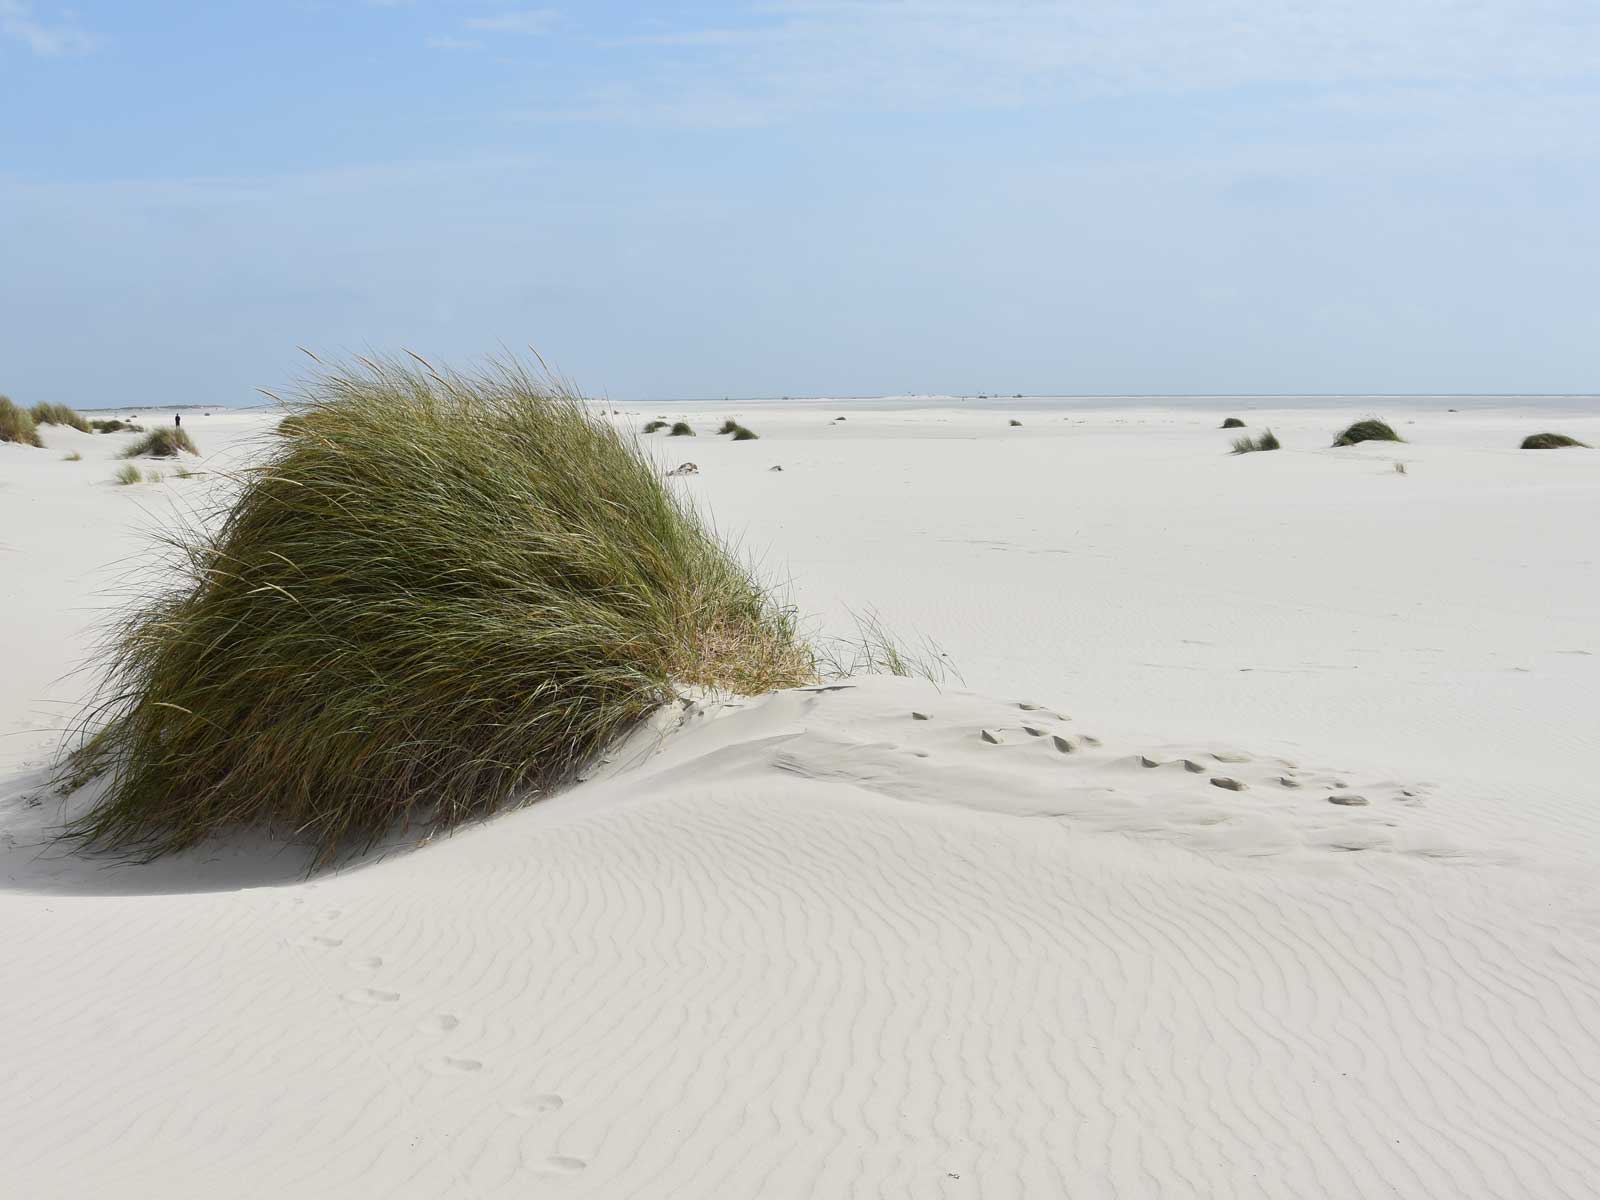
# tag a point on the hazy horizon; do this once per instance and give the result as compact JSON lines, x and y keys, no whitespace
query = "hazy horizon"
{"x":815,"y":197}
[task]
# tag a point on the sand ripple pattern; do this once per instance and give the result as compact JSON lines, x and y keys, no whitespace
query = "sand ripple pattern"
{"x":814,"y":946}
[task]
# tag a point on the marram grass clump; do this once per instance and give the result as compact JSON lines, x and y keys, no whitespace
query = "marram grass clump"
{"x":1550,"y":441}
{"x":45,"y":413}
{"x":1233,"y":423}
{"x":17,"y":424}
{"x":440,"y":593}
{"x":1248,"y":445}
{"x":652,"y":426}
{"x":681,"y":429}
{"x":165,"y":442}
{"x":1370,"y":430}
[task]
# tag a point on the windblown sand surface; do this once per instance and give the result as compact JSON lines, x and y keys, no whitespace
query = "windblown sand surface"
{"x":1256,"y":855}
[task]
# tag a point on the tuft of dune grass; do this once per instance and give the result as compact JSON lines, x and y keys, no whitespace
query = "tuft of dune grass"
{"x":1550,"y":441}
{"x":681,"y":429}
{"x":73,"y":457}
{"x":17,"y":424}
{"x":728,"y":426}
{"x":45,"y":413}
{"x":1247,"y":445}
{"x":115,"y":426}
{"x":652,"y":426}
{"x":165,"y":442}
{"x":441,"y":593}
{"x":128,"y":473}
{"x":1233,"y":423}
{"x":1370,"y":430}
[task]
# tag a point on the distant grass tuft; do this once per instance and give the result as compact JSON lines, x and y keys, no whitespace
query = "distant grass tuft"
{"x":17,"y":425}
{"x":73,"y":457}
{"x":165,"y":442}
{"x":876,"y":651}
{"x":439,"y":594}
{"x":128,"y":474}
{"x":728,"y":426}
{"x":115,"y":426}
{"x":652,"y":426}
{"x":680,"y":429}
{"x":1247,"y":445}
{"x":1015,"y":423}
{"x":1551,"y":441}
{"x":1233,"y":423}
{"x":741,"y":434}
{"x":1370,"y":430}
{"x":58,"y":414}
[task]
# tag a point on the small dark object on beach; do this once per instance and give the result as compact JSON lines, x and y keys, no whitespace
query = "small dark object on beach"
{"x":652,"y":426}
{"x":1233,"y":423}
{"x":1015,"y":422}
{"x":680,"y":429}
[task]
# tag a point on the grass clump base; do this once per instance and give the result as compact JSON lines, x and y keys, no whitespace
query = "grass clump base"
{"x":1551,"y":441}
{"x":17,"y":424}
{"x":1233,"y":423}
{"x":165,"y":442}
{"x":441,"y":593}
{"x":1248,"y":445}
{"x":58,"y":414}
{"x":1370,"y":430}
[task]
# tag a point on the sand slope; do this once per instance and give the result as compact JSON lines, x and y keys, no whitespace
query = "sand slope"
{"x":815,"y":944}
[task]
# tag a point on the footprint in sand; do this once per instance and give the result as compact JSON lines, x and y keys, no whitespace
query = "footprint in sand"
{"x":558,"y":1164}
{"x":447,"y":1065}
{"x":536,"y":1105}
{"x":366,"y":962}
{"x":320,"y":941}
{"x":438,"y":1023}
{"x":371,"y":996}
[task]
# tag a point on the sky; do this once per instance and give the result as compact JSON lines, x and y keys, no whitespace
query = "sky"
{"x":803,"y":197}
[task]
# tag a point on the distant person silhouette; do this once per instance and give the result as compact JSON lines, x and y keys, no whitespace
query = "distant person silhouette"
{"x":177,"y":419}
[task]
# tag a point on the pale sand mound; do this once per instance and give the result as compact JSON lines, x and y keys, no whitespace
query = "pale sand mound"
{"x":810,"y":945}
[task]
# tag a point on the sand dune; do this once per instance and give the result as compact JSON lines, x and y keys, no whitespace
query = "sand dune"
{"x":1004,"y":938}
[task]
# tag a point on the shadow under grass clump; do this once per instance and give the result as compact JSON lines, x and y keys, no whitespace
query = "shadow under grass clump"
{"x":652,"y":426}
{"x":161,"y":443}
{"x":45,"y":413}
{"x":1370,"y":430}
{"x":1233,"y":423}
{"x":680,"y":429}
{"x":17,"y":424}
{"x":440,"y":593}
{"x":1248,"y":445}
{"x":1551,"y":441}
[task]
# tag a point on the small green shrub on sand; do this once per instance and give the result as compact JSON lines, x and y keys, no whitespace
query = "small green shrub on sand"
{"x":1370,"y":430}
{"x":73,"y":457}
{"x":1551,"y":441}
{"x":728,"y":426}
{"x":443,"y":593}
{"x":16,"y":424}
{"x":1233,"y":423}
{"x":128,"y":474}
{"x":741,"y":434}
{"x":115,"y":426}
{"x":58,"y":414}
{"x":1246,"y":445}
{"x":165,"y":442}
{"x":680,"y":429}
{"x":652,"y":426}
{"x":1016,"y":424}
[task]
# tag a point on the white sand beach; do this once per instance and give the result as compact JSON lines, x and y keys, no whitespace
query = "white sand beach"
{"x":1253,"y":852}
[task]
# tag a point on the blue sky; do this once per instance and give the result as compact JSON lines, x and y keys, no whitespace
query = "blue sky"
{"x":811,"y":197}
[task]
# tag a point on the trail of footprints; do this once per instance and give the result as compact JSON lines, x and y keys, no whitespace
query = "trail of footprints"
{"x":1028,"y":759}
{"x":531,"y":1104}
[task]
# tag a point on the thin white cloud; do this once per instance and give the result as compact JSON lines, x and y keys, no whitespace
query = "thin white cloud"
{"x":453,"y":43}
{"x":525,"y":21}
{"x":46,"y":39}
